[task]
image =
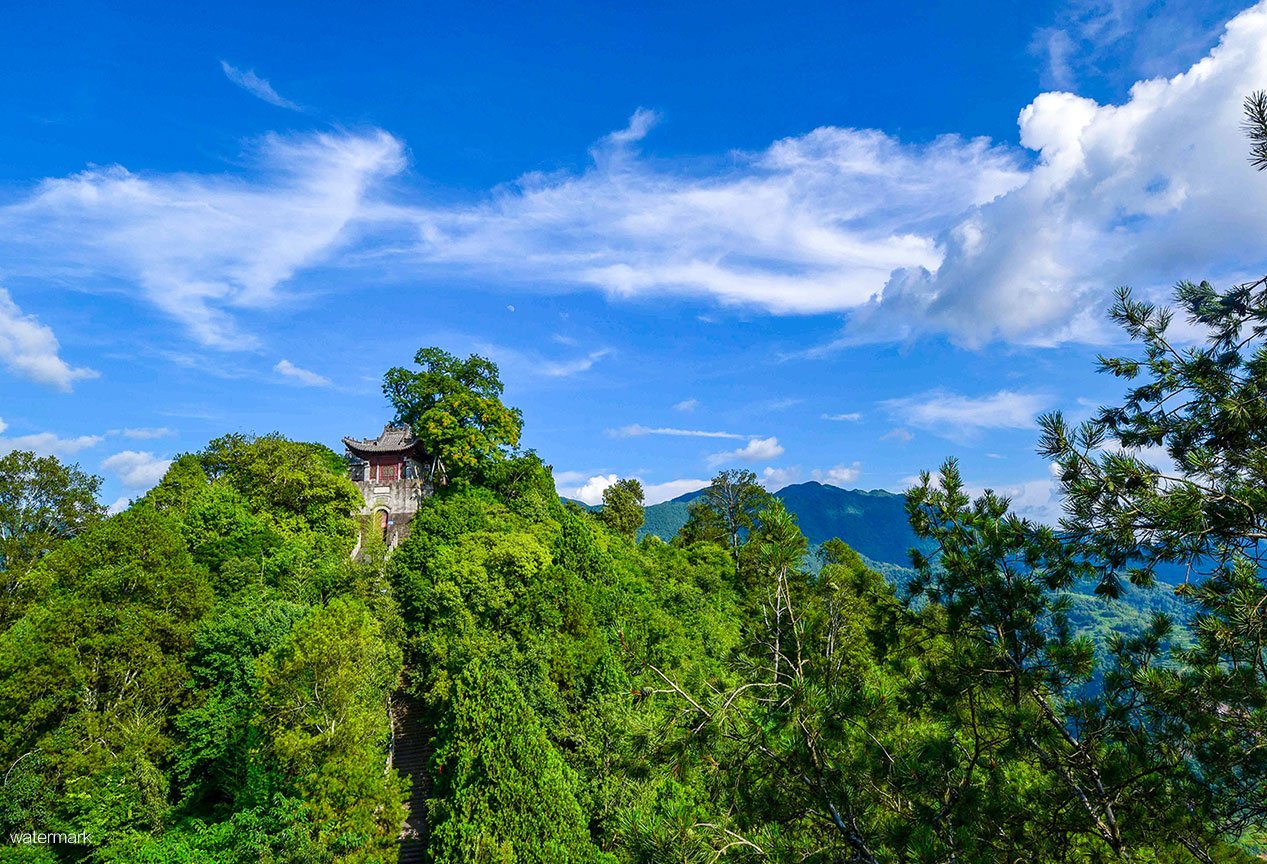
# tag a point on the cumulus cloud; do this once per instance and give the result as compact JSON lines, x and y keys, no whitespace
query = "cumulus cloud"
{"x":637,"y":429}
{"x":256,"y":86}
{"x":299,"y":375}
{"x":756,"y":450}
{"x":1143,"y":193}
{"x":775,"y":479}
{"x":655,"y":493}
{"x":588,"y":487}
{"x":838,"y":475}
{"x":29,"y":349}
{"x":959,"y":417}
{"x":201,"y":247}
{"x":591,"y":491}
{"x":137,"y":470}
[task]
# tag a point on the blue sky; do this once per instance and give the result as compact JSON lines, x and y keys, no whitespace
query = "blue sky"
{"x":839,"y":242}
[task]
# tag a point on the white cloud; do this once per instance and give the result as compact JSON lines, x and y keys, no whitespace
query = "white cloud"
{"x":591,"y":492}
{"x":686,"y":405}
{"x":1144,"y":193}
{"x":256,"y":86}
{"x":568,"y":368}
{"x":851,"y":417}
{"x":29,"y":348}
{"x":47,"y":443}
{"x":655,"y":493}
{"x":959,"y":418}
{"x":301,"y":376}
{"x":756,"y":450}
{"x":120,"y":504}
{"x":137,"y":470}
{"x":200,"y":247}
{"x":957,"y":236}
{"x":588,"y":487}
{"x":775,"y":479}
{"x":838,"y":475}
{"x":637,"y":429}
{"x":144,"y":433}
{"x":899,"y":435}
{"x":811,"y":224}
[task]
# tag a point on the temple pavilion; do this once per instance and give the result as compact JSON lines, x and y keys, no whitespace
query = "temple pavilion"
{"x":390,"y":471}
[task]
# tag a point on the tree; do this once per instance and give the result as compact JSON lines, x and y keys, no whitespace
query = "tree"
{"x":1203,"y":411}
{"x":42,"y":503}
{"x":622,"y":507}
{"x":727,"y":510}
{"x":454,"y":408}
{"x":504,"y":793}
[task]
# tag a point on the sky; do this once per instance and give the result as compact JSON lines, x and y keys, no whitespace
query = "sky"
{"x":834,"y":242}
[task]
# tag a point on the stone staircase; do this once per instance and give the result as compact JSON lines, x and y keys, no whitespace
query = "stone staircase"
{"x":411,"y":756}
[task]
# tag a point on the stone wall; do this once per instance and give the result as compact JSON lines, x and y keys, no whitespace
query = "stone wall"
{"x":399,"y":498}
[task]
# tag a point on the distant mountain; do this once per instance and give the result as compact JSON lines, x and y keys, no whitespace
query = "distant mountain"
{"x":873,"y":523}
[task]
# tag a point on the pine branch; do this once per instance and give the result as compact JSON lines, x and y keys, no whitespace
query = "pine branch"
{"x":1255,"y":127}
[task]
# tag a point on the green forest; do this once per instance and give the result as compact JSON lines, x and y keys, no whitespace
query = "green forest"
{"x":211,"y":675}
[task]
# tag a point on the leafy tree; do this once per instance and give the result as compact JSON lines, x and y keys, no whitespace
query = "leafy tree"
{"x":42,"y":502}
{"x":622,"y":507}
{"x":454,"y":408}
{"x":504,"y":793}
{"x":727,"y":510}
{"x":322,"y":697}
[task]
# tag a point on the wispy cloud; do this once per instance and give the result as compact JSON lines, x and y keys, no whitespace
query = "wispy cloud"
{"x":686,"y":405}
{"x":137,"y":470}
{"x":144,"y":433}
{"x":959,"y":417}
{"x":851,"y":417}
{"x":636,"y":429}
{"x":811,"y":224}
{"x":568,"y":368}
{"x":256,"y":86}
{"x":29,"y":349}
{"x":200,"y":247}
{"x":756,"y":450}
{"x":299,"y":375}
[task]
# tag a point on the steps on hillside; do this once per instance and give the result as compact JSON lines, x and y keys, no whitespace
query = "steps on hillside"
{"x":411,"y":756}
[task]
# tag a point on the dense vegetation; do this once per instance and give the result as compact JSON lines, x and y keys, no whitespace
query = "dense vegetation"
{"x":209,"y":675}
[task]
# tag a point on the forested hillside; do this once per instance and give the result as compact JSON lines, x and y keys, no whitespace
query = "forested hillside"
{"x":210,"y":675}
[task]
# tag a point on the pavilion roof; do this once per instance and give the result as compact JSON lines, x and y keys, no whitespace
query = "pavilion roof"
{"x":394,"y":439}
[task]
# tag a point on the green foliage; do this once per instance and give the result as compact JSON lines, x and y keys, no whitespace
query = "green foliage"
{"x":622,"y":508}
{"x":42,"y":503}
{"x":454,"y":408}
{"x":1206,"y":510}
{"x":504,"y":793}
